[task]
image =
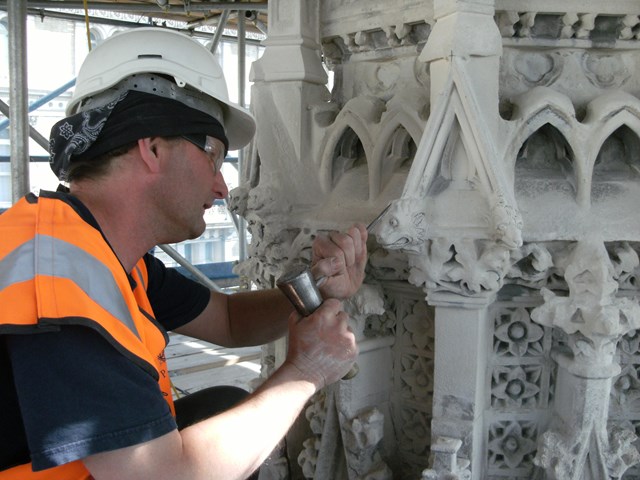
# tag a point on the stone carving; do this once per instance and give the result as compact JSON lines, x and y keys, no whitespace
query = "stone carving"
{"x":521,"y":381}
{"x":380,"y":325}
{"x":569,"y":20}
{"x":418,"y":330}
{"x":626,"y":389}
{"x":415,"y":432}
{"x":516,"y":336}
{"x":388,"y":265}
{"x":413,"y":378}
{"x":506,"y":223}
{"x":477,"y":199}
{"x":605,"y":71}
{"x":466,"y":266}
{"x":273,"y":247}
{"x":429,"y":268}
{"x":276,"y":466}
{"x":511,"y":444}
{"x":626,"y":263}
{"x":308,"y":458}
{"x":265,"y":201}
{"x":476,"y":268}
{"x":446,"y":465}
{"x":353,"y":438}
{"x":341,"y":438}
{"x":417,"y":377}
{"x":579,"y":446}
{"x":383,"y":37}
{"x":462,"y":266}
{"x":591,"y":312}
{"x":384,"y":78}
{"x":516,"y":387}
{"x":316,"y":416}
{"x":538,"y":69}
{"x":585,"y":25}
{"x":582,"y":26}
{"x":629,"y":29}
{"x":367,"y":301}
{"x":402,"y":227}
{"x":532,"y":265}
{"x":238,"y":200}
{"x":272,"y":251}
{"x":362,"y":435}
{"x":614,"y":452}
{"x":538,"y":265}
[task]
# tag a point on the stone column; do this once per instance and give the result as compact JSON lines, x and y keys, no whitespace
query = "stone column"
{"x":289,"y":81}
{"x":462,"y":337}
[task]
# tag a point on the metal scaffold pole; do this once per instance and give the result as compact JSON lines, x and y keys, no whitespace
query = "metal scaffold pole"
{"x":242,"y":227}
{"x":18,"y":99}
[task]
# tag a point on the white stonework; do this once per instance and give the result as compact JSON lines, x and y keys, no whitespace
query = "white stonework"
{"x":498,"y":322}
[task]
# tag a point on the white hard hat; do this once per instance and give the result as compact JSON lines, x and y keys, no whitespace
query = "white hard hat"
{"x":157,"y":50}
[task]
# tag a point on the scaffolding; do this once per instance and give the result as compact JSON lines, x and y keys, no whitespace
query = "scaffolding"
{"x":17,"y":112}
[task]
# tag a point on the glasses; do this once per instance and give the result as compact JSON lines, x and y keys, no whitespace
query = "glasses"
{"x":208,"y":145}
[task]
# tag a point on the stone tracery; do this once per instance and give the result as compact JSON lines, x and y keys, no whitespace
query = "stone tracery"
{"x":503,"y":154}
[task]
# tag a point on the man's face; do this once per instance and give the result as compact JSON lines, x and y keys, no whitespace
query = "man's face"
{"x":193,"y":182}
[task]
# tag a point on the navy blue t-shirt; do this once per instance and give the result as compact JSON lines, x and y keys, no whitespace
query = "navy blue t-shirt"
{"x":77,"y":395}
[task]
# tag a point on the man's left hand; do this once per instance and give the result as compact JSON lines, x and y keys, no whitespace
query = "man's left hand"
{"x":338,"y":261}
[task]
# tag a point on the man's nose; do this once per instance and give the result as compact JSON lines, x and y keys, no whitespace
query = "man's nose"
{"x":221,"y":189}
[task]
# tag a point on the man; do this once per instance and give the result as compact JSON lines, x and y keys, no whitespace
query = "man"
{"x":84,"y":308}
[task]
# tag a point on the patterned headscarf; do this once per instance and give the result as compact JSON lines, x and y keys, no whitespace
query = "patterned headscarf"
{"x":133,"y":115}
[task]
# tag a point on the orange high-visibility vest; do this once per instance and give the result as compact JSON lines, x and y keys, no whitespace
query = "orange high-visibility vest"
{"x":55,"y":269}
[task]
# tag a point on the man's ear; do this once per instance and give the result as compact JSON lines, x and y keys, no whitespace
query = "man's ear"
{"x":150,"y":152}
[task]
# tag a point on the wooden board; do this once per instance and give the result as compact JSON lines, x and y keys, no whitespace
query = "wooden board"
{"x":194,"y":365}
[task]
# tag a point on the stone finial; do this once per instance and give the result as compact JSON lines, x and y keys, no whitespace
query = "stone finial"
{"x":593,"y":317}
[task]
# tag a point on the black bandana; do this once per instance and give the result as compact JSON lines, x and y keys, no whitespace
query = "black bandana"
{"x":134,"y":115}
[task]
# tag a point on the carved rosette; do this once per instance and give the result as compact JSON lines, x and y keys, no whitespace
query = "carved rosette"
{"x":413,"y":378}
{"x":520,"y":380}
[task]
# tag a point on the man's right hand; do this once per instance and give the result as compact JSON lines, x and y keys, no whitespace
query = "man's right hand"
{"x":322,"y":346}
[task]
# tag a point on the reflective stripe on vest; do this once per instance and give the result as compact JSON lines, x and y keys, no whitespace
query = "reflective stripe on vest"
{"x":94,"y":277}
{"x":62,"y":272}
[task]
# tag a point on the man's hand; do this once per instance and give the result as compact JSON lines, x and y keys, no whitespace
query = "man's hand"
{"x":322,"y":347}
{"x":341,"y":259}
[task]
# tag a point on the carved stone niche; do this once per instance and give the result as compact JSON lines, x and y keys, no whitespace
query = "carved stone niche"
{"x":576,"y":177}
